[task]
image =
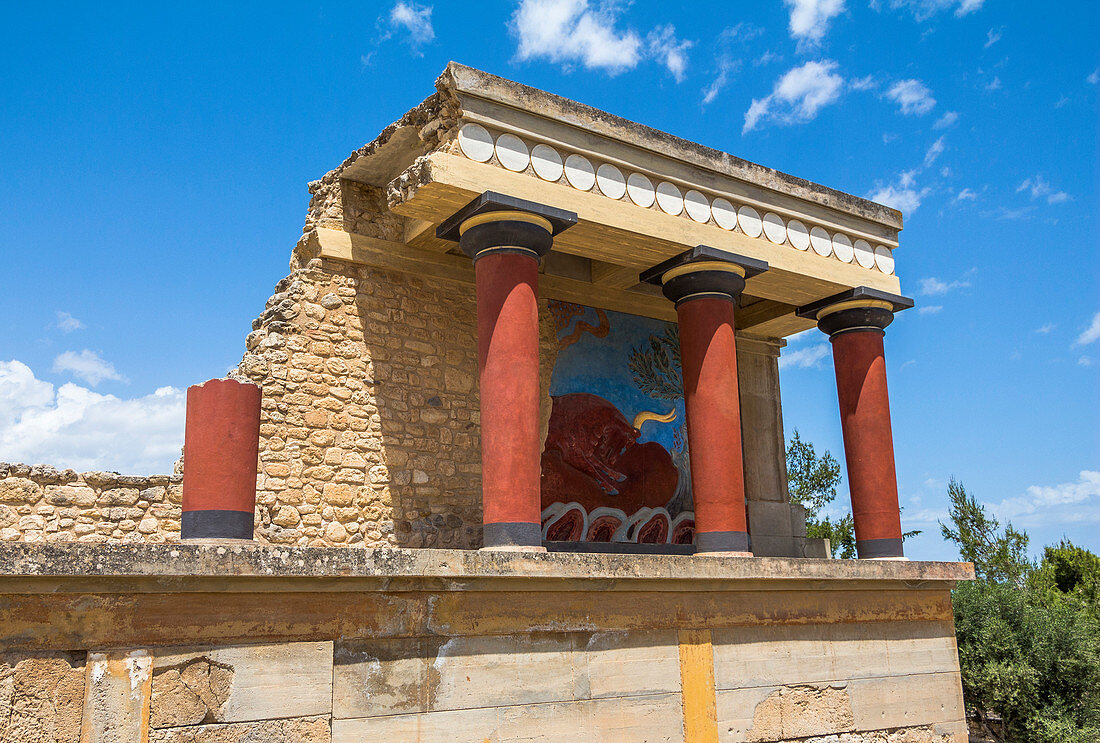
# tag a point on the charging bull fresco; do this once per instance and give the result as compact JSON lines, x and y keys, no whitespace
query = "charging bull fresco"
{"x":615,"y":460}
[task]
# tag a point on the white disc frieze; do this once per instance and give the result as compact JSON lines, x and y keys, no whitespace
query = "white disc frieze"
{"x":798,"y":235}
{"x":512,"y":152}
{"x":579,"y":173}
{"x":842,"y":247}
{"x":865,"y":254}
{"x":774,"y":229}
{"x":610,"y":181}
{"x":821,"y":242}
{"x":749,"y":221}
{"x":884,"y":259}
{"x":547,"y":162}
{"x":640,"y":190}
{"x":697,"y":206}
{"x":669,"y":198}
{"x":476,"y":142}
{"x":725,"y":214}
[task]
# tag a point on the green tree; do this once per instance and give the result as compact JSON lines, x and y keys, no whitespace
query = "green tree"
{"x":997,"y":556}
{"x":812,"y":481}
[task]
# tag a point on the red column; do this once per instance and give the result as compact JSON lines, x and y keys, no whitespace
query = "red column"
{"x":860,"y":364}
{"x":709,"y":363}
{"x":508,"y":366}
{"x":220,"y":451}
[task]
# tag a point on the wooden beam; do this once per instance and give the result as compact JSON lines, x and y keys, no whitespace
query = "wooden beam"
{"x":420,"y":233}
{"x":761,"y":312}
{"x":614,"y":275}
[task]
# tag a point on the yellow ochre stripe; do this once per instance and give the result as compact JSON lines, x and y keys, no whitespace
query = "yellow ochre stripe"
{"x":702,"y":266}
{"x":505,"y":216}
{"x":697,"y":685}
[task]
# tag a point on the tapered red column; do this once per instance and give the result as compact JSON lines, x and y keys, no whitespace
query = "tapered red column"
{"x":855,"y":322}
{"x":507,"y":238}
{"x":220,"y":450}
{"x":705,"y":283}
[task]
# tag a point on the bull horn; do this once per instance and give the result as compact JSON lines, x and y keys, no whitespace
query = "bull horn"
{"x":647,"y":415}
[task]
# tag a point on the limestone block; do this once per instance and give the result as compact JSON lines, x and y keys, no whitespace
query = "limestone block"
{"x":904,"y":701}
{"x":70,"y":495}
{"x":19,"y":490}
{"x":41,"y":696}
{"x":736,"y":711}
{"x":116,"y":697}
{"x":634,"y":663}
{"x":297,"y":730}
{"x":267,"y":681}
{"x":801,"y":712}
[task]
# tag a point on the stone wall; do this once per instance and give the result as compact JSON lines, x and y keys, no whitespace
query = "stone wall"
{"x":369,"y":431}
{"x":40,"y":503}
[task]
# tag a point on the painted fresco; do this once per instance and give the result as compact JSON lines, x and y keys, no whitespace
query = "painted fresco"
{"x":615,"y":460}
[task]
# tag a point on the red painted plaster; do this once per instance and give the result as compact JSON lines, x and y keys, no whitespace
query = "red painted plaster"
{"x":221,"y":446}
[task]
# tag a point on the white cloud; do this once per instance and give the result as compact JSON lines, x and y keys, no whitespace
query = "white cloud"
{"x":1040,"y":189}
{"x":966,"y":195}
{"x":416,"y":20}
{"x":87,"y":365}
{"x":804,"y":358}
{"x":929,"y":309}
{"x":995,"y":84}
{"x":732,"y":45}
{"x":1090,"y":334}
{"x":932,"y":287}
{"x":863,"y":83}
{"x":1044,"y":505}
{"x":994,"y":36}
{"x":668,"y":50}
{"x":1045,"y":328}
{"x":66,"y":323}
{"x":924,"y":9}
{"x":810,"y":18}
{"x":568,"y":32}
{"x":72,"y":426}
{"x":798,"y":95}
{"x":1094,"y":77}
{"x":948,"y":119}
{"x":1084,"y":361}
{"x":912,"y":97}
{"x":933,"y":152}
{"x":902,"y":195}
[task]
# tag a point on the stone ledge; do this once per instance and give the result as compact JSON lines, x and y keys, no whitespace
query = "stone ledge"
{"x":143,"y":567}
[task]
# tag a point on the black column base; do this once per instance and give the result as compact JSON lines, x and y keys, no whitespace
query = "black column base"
{"x":216,"y":525}
{"x":721,"y":541}
{"x":511,"y":534}
{"x":872,"y":548}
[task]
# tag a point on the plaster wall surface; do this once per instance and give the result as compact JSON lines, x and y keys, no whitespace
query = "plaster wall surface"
{"x":228,"y":645}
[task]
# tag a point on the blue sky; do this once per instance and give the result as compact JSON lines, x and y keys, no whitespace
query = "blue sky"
{"x":153,"y":171}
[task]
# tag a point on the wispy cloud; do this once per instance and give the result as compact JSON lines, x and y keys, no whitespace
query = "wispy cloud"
{"x":994,"y":84}
{"x":730,"y":44}
{"x":1094,"y":77}
{"x":87,"y":365}
{"x":72,"y":426}
{"x":804,"y":358}
{"x":669,"y":50}
{"x":1038,"y":188}
{"x":993,"y":36}
{"x":903,"y":194}
{"x":912,"y":96}
{"x":66,"y":323}
{"x":415,"y":20}
{"x":922,"y":10}
{"x":1043,"y":505}
{"x":810,"y":19}
{"x":948,"y":119}
{"x":966,"y":195}
{"x":797,"y":96}
{"x":1045,"y":329}
{"x":934,"y":151}
{"x":932,"y":287}
{"x":1090,"y":334}
{"x":929,"y":309}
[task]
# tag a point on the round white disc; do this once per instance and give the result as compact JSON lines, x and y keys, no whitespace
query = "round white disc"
{"x":774,"y":229}
{"x":512,"y":152}
{"x":842,"y":247}
{"x":476,"y":142}
{"x":865,"y":255}
{"x":640,"y":190}
{"x":579,"y":172}
{"x":669,"y":198}
{"x":884,"y":259}
{"x":797,"y":234}
{"x":725,"y":214}
{"x":820,"y":241}
{"x":698,"y":208}
{"x":547,"y":162}
{"x":749,"y":221}
{"x":611,"y":182}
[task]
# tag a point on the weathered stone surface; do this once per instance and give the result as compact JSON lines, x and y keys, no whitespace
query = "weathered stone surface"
{"x":242,"y":683}
{"x":801,"y":711}
{"x":41,"y":696}
{"x":116,"y":697}
{"x":300,"y":730}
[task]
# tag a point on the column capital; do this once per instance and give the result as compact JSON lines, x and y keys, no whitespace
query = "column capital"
{"x":497,"y":223}
{"x":703,"y":271}
{"x":860,"y":308}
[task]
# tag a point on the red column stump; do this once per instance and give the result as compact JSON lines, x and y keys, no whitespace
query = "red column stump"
{"x":221,"y":448}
